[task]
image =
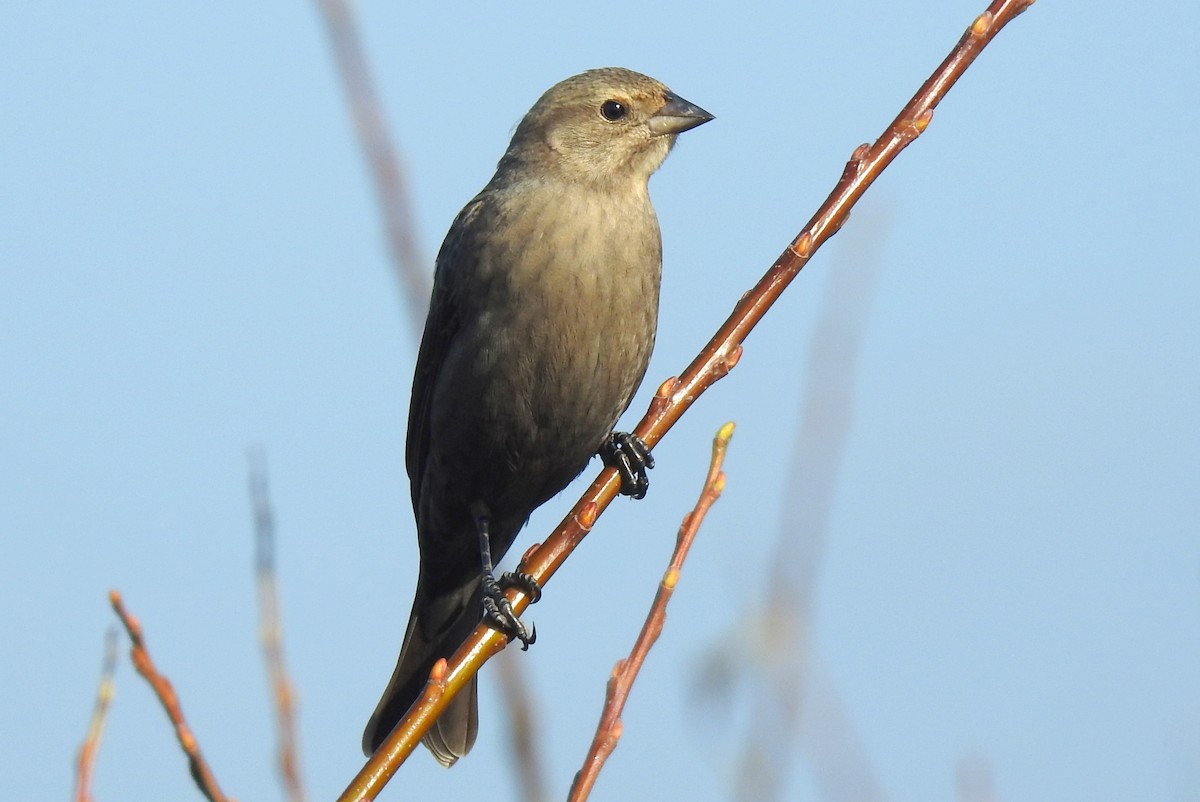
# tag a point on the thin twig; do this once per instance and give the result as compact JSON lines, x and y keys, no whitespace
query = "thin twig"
{"x":270,"y":628}
{"x":105,"y":690}
{"x":200,"y":771}
{"x":412,"y":271}
{"x":676,"y":395}
{"x":608,"y":732}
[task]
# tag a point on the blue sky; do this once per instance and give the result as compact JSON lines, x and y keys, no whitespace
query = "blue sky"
{"x":1008,"y":572}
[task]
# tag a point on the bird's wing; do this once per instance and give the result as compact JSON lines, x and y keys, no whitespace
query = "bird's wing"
{"x":442,"y":325}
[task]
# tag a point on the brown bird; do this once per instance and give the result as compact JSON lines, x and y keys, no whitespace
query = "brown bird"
{"x":540,"y":327}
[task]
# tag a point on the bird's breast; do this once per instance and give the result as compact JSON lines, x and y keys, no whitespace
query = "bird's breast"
{"x":566,"y":337}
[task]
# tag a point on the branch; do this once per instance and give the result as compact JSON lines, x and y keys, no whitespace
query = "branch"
{"x":105,"y":691}
{"x":676,"y":395}
{"x":608,"y":732}
{"x":270,"y":628}
{"x":140,"y":657}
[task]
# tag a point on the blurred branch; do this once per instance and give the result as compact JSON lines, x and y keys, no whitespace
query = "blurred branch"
{"x":782,"y":658}
{"x":391,"y":190}
{"x":841,"y":770}
{"x":531,"y":776}
{"x":608,"y":732}
{"x":676,"y":395}
{"x":105,"y":690}
{"x":200,"y":771}
{"x":975,"y":781}
{"x":270,"y":628}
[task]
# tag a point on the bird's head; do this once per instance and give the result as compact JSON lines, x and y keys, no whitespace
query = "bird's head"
{"x":601,"y":126}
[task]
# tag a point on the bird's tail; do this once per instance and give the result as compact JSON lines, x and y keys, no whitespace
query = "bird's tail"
{"x":440,"y":621}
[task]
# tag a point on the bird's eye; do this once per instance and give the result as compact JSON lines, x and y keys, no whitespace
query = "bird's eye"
{"x":613,"y":110}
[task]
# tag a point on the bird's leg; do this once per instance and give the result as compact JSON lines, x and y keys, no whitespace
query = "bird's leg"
{"x":631,"y":457}
{"x":498,"y":611}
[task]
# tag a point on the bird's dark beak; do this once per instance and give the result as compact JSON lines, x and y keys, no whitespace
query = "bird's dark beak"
{"x":676,"y":116}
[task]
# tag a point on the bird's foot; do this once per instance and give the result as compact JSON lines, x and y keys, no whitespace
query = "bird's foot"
{"x":522,"y":582}
{"x":630,"y":456}
{"x":498,"y":611}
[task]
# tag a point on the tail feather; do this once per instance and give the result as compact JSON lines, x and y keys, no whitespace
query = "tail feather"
{"x":438,"y":625}
{"x":453,"y":734}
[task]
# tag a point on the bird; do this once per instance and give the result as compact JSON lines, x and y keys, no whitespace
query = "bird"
{"x":540,"y":327}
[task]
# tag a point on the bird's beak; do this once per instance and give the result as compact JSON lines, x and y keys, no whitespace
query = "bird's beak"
{"x":676,"y":116}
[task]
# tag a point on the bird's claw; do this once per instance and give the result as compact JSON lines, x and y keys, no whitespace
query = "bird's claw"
{"x":522,"y":582}
{"x":629,"y":455}
{"x":499,"y":614}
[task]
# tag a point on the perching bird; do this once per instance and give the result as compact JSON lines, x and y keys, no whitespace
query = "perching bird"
{"x":541,"y":324}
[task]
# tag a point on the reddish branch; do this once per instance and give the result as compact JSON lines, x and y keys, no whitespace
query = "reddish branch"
{"x":140,"y":657}
{"x":270,"y":628}
{"x":91,"y":742}
{"x":608,"y":732}
{"x":676,"y":395}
